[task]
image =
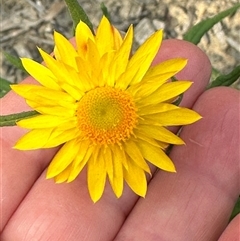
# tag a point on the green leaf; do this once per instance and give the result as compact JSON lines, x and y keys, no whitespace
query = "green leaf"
{"x":15,"y":61}
{"x":4,"y":84}
{"x":236,"y":209}
{"x":195,"y":34}
{"x":105,"y":12}
{"x":215,"y":73}
{"x":10,"y":120}
{"x":226,"y":80}
{"x":4,"y":87}
{"x":77,"y":13}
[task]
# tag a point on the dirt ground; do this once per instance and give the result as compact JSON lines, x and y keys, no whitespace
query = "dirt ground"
{"x":26,"y":24}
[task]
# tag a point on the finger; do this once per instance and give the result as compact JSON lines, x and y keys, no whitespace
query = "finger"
{"x":231,"y":233}
{"x":71,"y":202}
{"x":19,"y":169}
{"x":196,"y":202}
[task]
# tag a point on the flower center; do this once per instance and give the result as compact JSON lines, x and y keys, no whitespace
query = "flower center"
{"x":107,"y":115}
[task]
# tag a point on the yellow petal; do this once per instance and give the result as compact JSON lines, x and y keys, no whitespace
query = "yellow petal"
{"x":46,"y":138}
{"x":135,"y":155}
{"x":106,"y":31}
{"x":160,"y":133}
{"x":71,"y":90}
{"x":43,"y":95}
{"x":85,"y":74}
{"x":117,"y":180}
{"x":96,"y":176}
{"x":121,"y":58}
{"x":176,"y":117}
{"x":78,"y":81}
{"x":156,"y":156}
{"x":156,"y":76}
{"x":153,"y":109}
{"x":114,"y":171}
{"x":141,"y":60}
{"x":39,"y":72}
{"x":65,"y":49}
{"x":93,"y":58}
{"x":148,"y":49}
{"x":136,"y":179}
{"x":119,"y":155}
{"x":63,"y":158}
{"x":166,"y":69}
{"x":59,"y":137}
{"x":141,"y":90}
{"x":68,"y":78}
{"x":34,"y":139}
{"x":107,"y":155}
{"x":142,"y":136}
{"x":42,"y":121}
{"x":124,"y":80}
{"x":82,"y":157}
{"x":105,"y":78}
{"x":63,"y":176}
{"x":55,"y":66}
{"x":117,"y":38}
{"x":53,"y":110}
{"x":166,"y":92}
{"x":83,"y":33}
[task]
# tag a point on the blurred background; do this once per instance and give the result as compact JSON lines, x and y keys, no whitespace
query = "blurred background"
{"x":26,"y":24}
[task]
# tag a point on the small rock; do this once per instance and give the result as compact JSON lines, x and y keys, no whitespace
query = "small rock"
{"x":143,"y":30}
{"x":130,"y":10}
{"x":158,"y":24}
{"x":235,"y":44}
{"x":21,"y":50}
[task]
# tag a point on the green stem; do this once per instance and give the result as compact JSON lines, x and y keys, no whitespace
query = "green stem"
{"x":10,"y":120}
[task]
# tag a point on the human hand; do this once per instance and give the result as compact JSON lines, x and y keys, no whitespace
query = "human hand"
{"x":192,"y":204}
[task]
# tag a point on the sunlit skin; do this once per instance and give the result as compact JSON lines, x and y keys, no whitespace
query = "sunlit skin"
{"x":193,"y":204}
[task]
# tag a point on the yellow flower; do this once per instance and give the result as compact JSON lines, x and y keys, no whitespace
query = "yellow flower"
{"x":109,"y":110}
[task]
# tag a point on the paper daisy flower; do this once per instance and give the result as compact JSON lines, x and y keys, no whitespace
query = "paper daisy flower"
{"x":107,"y":108}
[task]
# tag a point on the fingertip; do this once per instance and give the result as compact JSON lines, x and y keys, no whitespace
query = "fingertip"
{"x":175,"y":48}
{"x":198,"y":64}
{"x":231,"y":233}
{"x":219,"y":100}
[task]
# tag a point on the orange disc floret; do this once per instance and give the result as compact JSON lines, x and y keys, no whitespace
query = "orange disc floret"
{"x":106,"y":115}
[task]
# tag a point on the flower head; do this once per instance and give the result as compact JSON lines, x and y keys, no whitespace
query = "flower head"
{"x":109,"y":109}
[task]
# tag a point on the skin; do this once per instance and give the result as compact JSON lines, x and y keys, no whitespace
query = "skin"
{"x":193,"y":204}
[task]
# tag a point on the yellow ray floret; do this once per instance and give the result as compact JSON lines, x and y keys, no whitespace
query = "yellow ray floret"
{"x":108,"y":109}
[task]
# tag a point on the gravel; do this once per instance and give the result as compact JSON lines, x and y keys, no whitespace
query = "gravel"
{"x":26,"y":24}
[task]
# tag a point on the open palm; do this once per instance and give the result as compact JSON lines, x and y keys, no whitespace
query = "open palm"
{"x":193,"y":204}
